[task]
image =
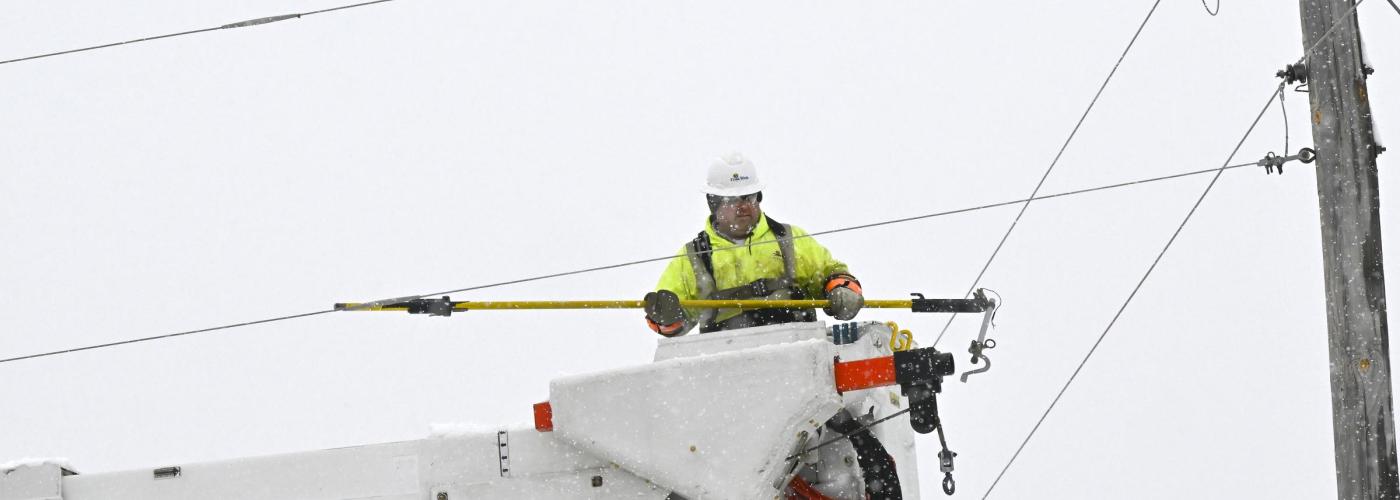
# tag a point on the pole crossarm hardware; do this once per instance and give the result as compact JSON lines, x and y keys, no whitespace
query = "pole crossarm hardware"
{"x":445,"y":306}
{"x":1272,"y":161}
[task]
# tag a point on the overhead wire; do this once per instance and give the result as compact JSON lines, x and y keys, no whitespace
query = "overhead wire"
{"x":1283,"y":110}
{"x":1207,"y":6}
{"x":1307,"y":54}
{"x":1073,"y":132}
{"x":241,"y":24}
{"x":845,"y":435}
{"x":166,"y":336}
{"x":631,"y":263}
{"x":1099,"y":341}
{"x":1131,"y":295}
{"x":831,"y":231}
{"x":1025,"y":203}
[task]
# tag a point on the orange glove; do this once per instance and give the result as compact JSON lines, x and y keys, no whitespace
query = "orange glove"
{"x":843,"y":292}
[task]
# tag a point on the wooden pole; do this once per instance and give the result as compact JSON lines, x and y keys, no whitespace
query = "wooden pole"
{"x":1363,"y":426}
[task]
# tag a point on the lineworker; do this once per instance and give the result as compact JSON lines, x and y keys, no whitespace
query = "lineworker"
{"x":779,"y":263}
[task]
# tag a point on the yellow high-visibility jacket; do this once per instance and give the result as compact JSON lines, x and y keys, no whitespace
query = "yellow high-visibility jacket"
{"x":740,"y":266}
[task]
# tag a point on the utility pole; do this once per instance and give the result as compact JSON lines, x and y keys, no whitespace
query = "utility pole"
{"x":1363,"y":425}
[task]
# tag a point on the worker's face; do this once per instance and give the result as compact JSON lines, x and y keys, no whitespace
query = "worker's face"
{"x":737,"y":215}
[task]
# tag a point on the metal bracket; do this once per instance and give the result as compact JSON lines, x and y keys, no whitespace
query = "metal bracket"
{"x":976,"y":304}
{"x":1293,"y":73}
{"x":919,"y":373}
{"x":431,"y":307}
{"x":982,"y":343}
{"x":503,"y":451}
{"x":1272,"y":161}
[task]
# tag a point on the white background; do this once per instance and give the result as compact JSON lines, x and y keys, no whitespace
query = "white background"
{"x":425,"y":145}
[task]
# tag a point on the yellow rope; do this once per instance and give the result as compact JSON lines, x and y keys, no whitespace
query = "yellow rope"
{"x":900,"y":340}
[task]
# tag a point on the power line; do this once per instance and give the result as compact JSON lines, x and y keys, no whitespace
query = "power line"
{"x":633,"y":263}
{"x":836,"y":439}
{"x":166,"y":336}
{"x":1053,"y":163}
{"x":241,"y":24}
{"x":1207,"y":6}
{"x":1133,"y":294}
{"x":1341,"y":19}
{"x":1277,"y":93}
{"x":832,"y":231}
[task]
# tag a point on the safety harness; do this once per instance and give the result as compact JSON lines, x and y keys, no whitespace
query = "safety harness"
{"x":700,"y":252}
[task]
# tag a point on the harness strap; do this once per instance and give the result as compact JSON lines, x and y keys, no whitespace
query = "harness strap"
{"x":785,"y":245}
{"x":699,"y":252}
{"x":701,"y":258}
{"x":877,"y":467}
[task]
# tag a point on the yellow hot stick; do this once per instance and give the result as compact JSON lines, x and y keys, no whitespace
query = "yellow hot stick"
{"x":634,"y":304}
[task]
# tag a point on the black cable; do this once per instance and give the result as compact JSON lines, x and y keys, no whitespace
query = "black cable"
{"x":1283,"y":109}
{"x":1136,"y":288}
{"x":252,"y":22}
{"x":166,"y":336}
{"x":849,"y":434}
{"x":1207,"y":6}
{"x":1277,"y":92}
{"x":343,"y":7}
{"x":1053,"y":162}
{"x":1341,"y":19}
{"x":1393,"y":6}
{"x":643,"y":261}
{"x":840,"y":230}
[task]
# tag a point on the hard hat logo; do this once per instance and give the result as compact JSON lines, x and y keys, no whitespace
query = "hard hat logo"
{"x":732,"y":175}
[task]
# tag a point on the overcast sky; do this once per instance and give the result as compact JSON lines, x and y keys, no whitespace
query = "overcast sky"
{"x":424,"y":145}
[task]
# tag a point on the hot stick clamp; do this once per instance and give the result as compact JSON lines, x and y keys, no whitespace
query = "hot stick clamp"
{"x":431,"y":307}
{"x":979,"y":303}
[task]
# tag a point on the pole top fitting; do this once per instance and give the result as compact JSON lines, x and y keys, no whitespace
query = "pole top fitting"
{"x":1307,"y":155}
{"x":1294,"y":73}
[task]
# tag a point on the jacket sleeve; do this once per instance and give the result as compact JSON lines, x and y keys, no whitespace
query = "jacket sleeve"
{"x":814,"y":263}
{"x":680,"y":278}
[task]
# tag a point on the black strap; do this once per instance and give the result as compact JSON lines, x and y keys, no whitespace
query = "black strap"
{"x":757,"y":317}
{"x":877,"y":467}
{"x":701,"y":243}
{"x":701,"y":246}
{"x":779,"y":229}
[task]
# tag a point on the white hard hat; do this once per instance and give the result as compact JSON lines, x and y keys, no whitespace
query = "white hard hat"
{"x":732,"y":175}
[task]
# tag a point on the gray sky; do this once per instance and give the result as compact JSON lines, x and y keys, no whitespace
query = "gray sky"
{"x":424,"y":145}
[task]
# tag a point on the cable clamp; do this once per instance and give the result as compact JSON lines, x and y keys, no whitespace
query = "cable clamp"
{"x":431,"y":307}
{"x":1272,"y":161}
{"x":260,"y":20}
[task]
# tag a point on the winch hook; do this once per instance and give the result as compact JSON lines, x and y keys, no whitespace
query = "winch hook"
{"x":945,"y":464}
